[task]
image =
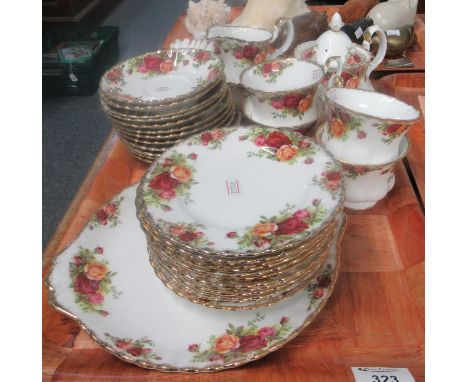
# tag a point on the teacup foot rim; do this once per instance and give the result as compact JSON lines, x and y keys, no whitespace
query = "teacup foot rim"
{"x":359,"y":205}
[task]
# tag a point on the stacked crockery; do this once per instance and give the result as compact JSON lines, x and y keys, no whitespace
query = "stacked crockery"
{"x":366,"y":132}
{"x":239,"y":218}
{"x":159,"y":98}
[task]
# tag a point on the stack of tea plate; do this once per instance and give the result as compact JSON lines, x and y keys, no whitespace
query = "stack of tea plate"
{"x":239,"y":218}
{"x":159,"y":98}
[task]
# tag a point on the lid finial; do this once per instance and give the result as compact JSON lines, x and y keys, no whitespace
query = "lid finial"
{"x":336,"y":22}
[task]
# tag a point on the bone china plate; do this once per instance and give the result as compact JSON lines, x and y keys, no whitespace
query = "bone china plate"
{"x":162,"y":76}
{"x":242,"y":190}
{"x":105,"y":282}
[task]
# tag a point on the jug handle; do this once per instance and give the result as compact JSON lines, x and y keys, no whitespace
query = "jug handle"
{"x":335,"y":78}
{"x":369,"y":32}
{"x":289,"y":36}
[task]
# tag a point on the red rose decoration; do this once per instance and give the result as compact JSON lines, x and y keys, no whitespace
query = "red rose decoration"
{"x":232,"y":235}
{"x":291,"y":101}
{"x":284,"y":320}
{"x":301,"y":214}
{"x":193,"y":156}
{"x":361,"y":134}
{"x":267,"y":68}
{"x":83,"y":285}
{"x":304,"y":144}
{"x":333,"y":176}
{"x":277,"y":139}
{"x":291,"y":226}
{"x":101,"y":216}
{"x":122,"y":344}
{"x":249,"y":343}
{"x":206,"y":138}
{"x":193,"y":348}
{"x":168,"y":194}
{"x":78,"y":260}
{"x":152,"y":62}
{"x":136,"y":351}
{"x":99,"y":250}
{"x":114,"y":74}
{"x":277,"y":104}
{"x":202,"y":56}
{"x":392,"y":128}
{"x":238,"y":54}
{"x":249,"y":52}
{"x":217,"y":358}
{"x":260,"y":140}
{"x":346,"y":76}
{"x":188,"y":236}
{"x":318,"y":292}
{"x":164,"y":182}
{"x":266,"y":332}
{"x":96,"y":298}
{"x":262,"y":242}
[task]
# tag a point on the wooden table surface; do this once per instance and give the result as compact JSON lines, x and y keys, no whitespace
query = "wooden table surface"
{"x":374,"y":318}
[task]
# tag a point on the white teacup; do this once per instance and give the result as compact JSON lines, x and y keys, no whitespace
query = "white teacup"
{"x":283,"y":91}
{"x":365,"y":127}
{"x":365,"y":185}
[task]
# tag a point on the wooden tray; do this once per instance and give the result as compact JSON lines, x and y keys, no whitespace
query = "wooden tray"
{"x":374,"y":318}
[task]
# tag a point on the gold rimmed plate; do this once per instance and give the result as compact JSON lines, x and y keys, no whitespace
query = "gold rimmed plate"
{"x":119,"y":302}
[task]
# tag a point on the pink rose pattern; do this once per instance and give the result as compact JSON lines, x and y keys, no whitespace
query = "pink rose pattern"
{"x":392,"y":130}
{"x":141,"y":349}
{"x":107,"y":215}
{"x":281,"y":146}
{"x":271,"y":70}
{"x":290,"y":223}
{"x":330,"y":180}
{"x":291,"y":104}
{"x":245,"y":54}
{"x":115,"y":76}
{"x":354,"y":70}
{"x":212,"y":139}
{"x":171,"y":177}
{"x":91,"y":280}
{"x":341,"y":123}
{"x":152,"y":64}
{"x":309,"y":54}
{"x":240,"y":343}
{"x":191,"y":234}
{"x":319,"y":288}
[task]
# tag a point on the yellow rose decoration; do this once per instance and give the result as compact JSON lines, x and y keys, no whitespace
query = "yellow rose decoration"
{"x":337,"y":127}
{"x":95,"y":270}
{"x":304,"y":104}
{"x":286,"y":153}
{"x":264,"y":229}
{"x":226,"y":343}
{"x":181,"y":173}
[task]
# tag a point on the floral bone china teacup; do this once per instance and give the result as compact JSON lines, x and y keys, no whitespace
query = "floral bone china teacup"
{"x":283,"y":90}
{"x":240,"y":47}
{"x":366,"y":127}
{"x":365,"y":185}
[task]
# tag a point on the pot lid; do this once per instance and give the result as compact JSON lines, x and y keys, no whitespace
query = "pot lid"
{"x":333,"y":42}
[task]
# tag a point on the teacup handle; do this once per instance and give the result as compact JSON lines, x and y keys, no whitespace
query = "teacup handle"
{"x":335,"y":76}
{"x":369,"y":32}
{"x":289,"y":36}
